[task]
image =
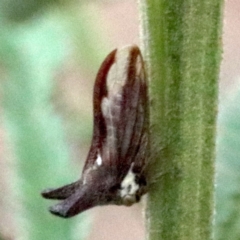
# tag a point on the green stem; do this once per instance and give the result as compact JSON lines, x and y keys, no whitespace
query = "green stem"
{"x":182,"y":42}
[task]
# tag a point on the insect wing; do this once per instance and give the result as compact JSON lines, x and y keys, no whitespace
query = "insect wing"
{"x":114,"y":169}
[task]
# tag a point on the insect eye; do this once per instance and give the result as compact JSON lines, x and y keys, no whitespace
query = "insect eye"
{"x":141,"y":180}
{"x":114,"y":188}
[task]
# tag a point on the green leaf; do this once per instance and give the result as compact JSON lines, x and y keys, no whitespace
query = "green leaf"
{"x":227,"y":171}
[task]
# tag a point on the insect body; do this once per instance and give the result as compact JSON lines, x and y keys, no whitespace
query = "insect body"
{"x":114,"y":172}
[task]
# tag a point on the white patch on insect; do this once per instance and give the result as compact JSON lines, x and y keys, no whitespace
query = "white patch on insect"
{"x":94,"y":167}
{"x":128,"y":186}
{"x":117,"y":74}
{"x":105,"y":106}
{"x":99,"y":160}
{"x":107,"y":113}
{"x":139,"y":64}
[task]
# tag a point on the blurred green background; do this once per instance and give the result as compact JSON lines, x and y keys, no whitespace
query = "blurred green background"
{"x":36,"y":42}
{"x":50,"y":52}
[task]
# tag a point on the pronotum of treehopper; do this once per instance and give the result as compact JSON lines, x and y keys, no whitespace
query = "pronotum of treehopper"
{"x":114,"y":171}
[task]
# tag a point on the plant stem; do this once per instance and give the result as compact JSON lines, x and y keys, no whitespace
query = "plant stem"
{"x":182,"y":42}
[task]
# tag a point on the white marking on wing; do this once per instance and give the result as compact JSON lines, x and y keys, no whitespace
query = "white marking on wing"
{"x":107,"y":113}
{"x":99,"y":160}
{"x":128,"y":185}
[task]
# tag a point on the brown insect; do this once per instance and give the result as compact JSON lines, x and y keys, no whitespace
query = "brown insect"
{"x":114,"y":171}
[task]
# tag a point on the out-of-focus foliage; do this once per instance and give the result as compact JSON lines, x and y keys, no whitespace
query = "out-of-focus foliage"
{"x":228,"y":169}
{"x":35,"y":50}
{"x":31,"y":52}
{"x":21,"y":10}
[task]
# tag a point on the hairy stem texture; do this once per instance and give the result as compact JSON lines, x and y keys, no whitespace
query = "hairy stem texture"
{"x":182,"y":43}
